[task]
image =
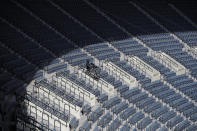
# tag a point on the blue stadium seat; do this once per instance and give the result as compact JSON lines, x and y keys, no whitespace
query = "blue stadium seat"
{"x":103,"y":97}
{"x":182,"y":125}
{"x":74,"y":123}
{"x":153,"y":126}
{"x":94,"y":116}
{"x":136,"y":117}
{"x":114,"y":125}
{"x":174,"y":121}
{"x":158,"y":112}
{"x":86,"y":126}
{"x":105,"y":120}
{"x":127,"y":113}
{"x":167,"y":116}
{"x":144,"y":123}
{"x":125,"y":127}
{"x":111,"y":102}
{"x":120,"y":107}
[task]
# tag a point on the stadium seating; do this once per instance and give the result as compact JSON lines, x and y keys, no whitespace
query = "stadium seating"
{"x":174,"y":121}
{"x":136,"y":117}
{"x":86,"y":109}
{"x":114,"y":125}
{"x":182,"y":125}
{"x":56,"y":67}
{"x":192,"y":127}
{"x":167,"y":116}
{"x":76,"y":57}
{"x":111,"y":102}
{"x":120,"y":107}
{"x":175,"y":51}
{"x":98,"y":23}
{"x":131,"y":47}
{"x":144,"y":123}
{"x":105,"y":120}
{"x":102,"y":98}
{"x":44,"y":46}
{"x":145,"y":102}
{"x":176,"y":23}
{"x":79,"y":82}
{"x":153,"y":126}
{"x":135,"y":22}
{"x":86,"y":126}
{"x":94,"y":116}
{"x":127,"y":113}
{"x":158,"y":112}
{"x":125,"y":127}
{"x":74,"y":123}
{"x":60,"y":92}
{"x":152,"y":107}
{"x":163,"y":128}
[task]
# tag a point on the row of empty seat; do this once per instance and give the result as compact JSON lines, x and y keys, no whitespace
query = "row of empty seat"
{"x":32,"y":40}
